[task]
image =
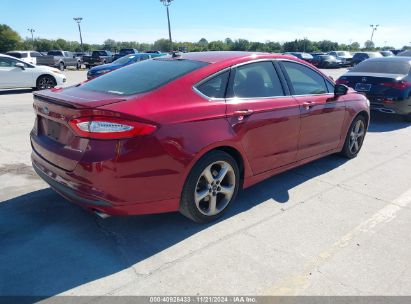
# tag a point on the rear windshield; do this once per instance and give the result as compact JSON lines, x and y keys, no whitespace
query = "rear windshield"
{"x":54,"y":53}
{"x":388,"y":67}
{"x":100,"y":53}
{"x":142,"y":77}
{"x":18,"y":55}
{"x":344,"y":54}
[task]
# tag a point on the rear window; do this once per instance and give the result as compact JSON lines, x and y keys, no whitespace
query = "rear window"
{"x":388,"y":67}
{"x":55,"y":53}
{"x":142,"y":77}
{"x":100,"y":53}
{"x":18,"y":55}
{"x":347,"y":54}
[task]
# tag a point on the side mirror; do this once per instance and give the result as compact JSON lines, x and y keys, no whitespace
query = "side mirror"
{"x":340,"y":90}
{"x":20,"y":65}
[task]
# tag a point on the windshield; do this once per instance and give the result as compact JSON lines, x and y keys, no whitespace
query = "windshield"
{"x":142,"y":77}
{"x":346,"y":54}
{"x":374,"y":55}
{"x":126,"y":51}
{"x":386,"y":67}
{"x":125,"y":59}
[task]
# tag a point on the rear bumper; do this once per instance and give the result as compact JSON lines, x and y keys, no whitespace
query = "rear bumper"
{"x":402,"y":107}
{"x":86,"y":195}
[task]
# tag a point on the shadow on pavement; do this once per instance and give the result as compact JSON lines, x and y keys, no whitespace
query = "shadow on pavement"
{"x":381,"y":122}
{"x":16,"y":91}
{"x":48,"y":246}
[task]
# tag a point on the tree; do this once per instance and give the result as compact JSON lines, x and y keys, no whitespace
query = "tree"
{"x":162,"y":45}
{"x":217,"y":46}
{"x":9,"y":39}
{"x":369,"y":45}
{"x":110,"y":44}
{"x":355,"y":46}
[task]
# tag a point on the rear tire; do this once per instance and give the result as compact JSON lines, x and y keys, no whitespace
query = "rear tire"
{"x":45,"y":82}
{"x":355,"y":138}
{"x":210,"y":187}
{"x":61,"y":66}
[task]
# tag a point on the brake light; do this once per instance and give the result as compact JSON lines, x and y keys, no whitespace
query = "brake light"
{"x":399,"y":85}
{"x":342,"y":81}
{"x":109,"y":128}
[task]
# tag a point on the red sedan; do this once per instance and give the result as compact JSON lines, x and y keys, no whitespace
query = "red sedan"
{"x":185,"y":133}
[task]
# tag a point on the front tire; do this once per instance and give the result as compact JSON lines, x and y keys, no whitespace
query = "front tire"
{"x":355,"y":138}
{"x":45,"y":82}
{"x":61,"y":66}
{"x":210,"y":187}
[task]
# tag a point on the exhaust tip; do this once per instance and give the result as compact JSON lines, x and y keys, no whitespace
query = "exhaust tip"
{"x":101,"y":215}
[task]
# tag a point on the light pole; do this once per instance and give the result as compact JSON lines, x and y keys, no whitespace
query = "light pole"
{"x":78,"y":20}
{"x":167,"y":3}
{"x":374,"y":28}
{"x":32,"y":36}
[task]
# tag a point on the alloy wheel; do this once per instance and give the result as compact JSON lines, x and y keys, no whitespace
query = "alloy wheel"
{"x":357,"y":136}
{"x":215,"y":188}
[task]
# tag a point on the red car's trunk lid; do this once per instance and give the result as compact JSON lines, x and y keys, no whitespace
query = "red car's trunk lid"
{"x":52,"y":137}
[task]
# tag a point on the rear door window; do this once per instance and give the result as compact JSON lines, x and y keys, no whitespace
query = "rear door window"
{"x":304,"y":80}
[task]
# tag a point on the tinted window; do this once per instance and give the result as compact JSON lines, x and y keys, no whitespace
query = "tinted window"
{"x":256,"y":80}
{"x":304,"y":80}
{"x":54,"y":53}
{"x":142,"y":77}
{"x":100,"y":53}
{"x":374,"y":55}
{"x":7,"y":62}
{"x":388,"y":66}
{"x":35,"y":54}
{"x":17,"y":55}
{"x":330,"y":86}
{"x":215,"y":87}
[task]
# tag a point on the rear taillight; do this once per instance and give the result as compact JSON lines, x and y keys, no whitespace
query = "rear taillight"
{"x":109,"y":128}
{"x":399,"y":85}
{"x":342,"y":81}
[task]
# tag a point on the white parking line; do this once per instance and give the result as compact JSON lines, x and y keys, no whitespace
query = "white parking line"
{"x":299,"y":281}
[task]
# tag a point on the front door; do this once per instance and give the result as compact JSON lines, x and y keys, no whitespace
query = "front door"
{"x":322,"y":115}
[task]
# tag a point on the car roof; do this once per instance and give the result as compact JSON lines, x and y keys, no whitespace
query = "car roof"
{"x":221,"y":56}
{"x":19,"y":52}
{"x":391,"y":59}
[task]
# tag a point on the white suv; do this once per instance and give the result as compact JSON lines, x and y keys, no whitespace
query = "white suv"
{"x":15,"y":73}
{"x":26,"y":56}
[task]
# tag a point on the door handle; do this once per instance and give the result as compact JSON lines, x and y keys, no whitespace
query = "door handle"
{"x":308,"y":104}
{"x":243,"y":113}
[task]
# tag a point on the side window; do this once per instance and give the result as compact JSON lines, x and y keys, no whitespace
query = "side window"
{"x":34,"y":54}
{"x":215,"y":87}
{"x":23,"y":55}
{"x":256,"y":80}
{"x":304,"y":80}
{"x":7,"y":62}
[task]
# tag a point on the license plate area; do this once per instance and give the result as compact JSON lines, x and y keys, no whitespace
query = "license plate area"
{"x":363,"y":87}
{"x":53,"y":130}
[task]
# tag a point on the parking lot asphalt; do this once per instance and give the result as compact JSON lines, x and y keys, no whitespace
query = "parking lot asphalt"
{"x":332,"y":227}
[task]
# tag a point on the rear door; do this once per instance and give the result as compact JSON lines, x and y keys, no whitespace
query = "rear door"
{"x":262,"y":114}
{"x":322,"y":115}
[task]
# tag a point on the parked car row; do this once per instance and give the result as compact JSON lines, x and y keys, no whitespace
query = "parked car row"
{"x":337,"y":59}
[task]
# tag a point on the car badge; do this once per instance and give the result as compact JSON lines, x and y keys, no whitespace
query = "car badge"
{"x":364,"y":79}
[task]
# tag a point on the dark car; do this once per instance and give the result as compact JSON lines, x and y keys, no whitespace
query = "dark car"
{"x":301,"y":55}
{"x":185,"y":133}
{"x":361,"y":56}
{"x":386,"y":82}
{"x":119,"y":63}
{"x":345,"y":57}
{"x":125,"y":52}
{"x":387,"y":53}
{"x":98,"y":58}
{"x":322,"y":60}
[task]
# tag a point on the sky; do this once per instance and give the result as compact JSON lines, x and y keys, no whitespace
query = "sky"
{"x":343,"y":21}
